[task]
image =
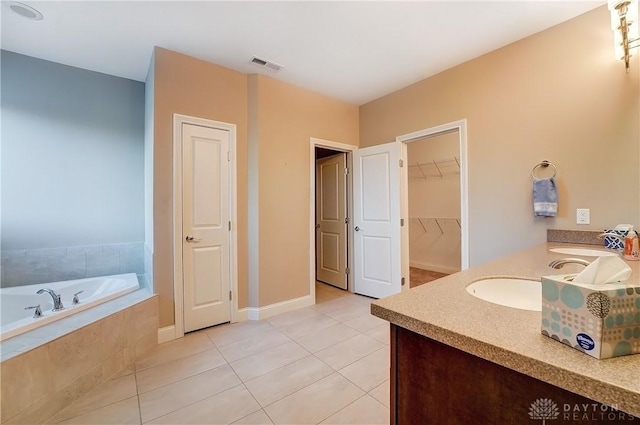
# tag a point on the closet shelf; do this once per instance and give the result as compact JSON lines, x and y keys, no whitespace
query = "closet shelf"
{"x":437,"y":220}
{"x":436,"y":168}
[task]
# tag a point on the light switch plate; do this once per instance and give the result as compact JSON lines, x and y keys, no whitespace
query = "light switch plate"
{"x":582,"y":216}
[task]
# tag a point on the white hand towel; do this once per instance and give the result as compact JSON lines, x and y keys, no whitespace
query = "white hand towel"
{"x":610,"y":269}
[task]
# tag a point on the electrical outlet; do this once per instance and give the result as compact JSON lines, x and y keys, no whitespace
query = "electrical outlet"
{"x":582,"y":216}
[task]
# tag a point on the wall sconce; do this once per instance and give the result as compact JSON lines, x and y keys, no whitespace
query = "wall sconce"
{"x":624,"y":22}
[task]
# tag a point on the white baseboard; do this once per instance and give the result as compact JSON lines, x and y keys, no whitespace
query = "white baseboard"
{"x":258,"y":313}
{"x":166,"y":334}
{"x":434,"y":267}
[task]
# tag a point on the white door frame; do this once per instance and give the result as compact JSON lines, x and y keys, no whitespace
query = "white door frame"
{"x":178,"y":286}
{"x":461,"y":127}
{"x":340,"y":147}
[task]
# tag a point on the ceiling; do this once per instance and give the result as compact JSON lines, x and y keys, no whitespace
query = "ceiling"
{"x":355,"y":51}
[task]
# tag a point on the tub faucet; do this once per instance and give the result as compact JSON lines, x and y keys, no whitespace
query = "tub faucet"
{"x":557,"y":264}
{"x":57,"y":302}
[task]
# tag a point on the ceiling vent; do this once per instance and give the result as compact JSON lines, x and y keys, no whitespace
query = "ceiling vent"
{"x":266,"y":64}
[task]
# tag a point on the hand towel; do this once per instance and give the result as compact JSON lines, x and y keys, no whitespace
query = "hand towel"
{"x":545,"y":198}
{"x":608,"y":269}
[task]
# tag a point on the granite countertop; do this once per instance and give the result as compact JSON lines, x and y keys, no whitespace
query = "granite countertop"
{"x":443,"y":311}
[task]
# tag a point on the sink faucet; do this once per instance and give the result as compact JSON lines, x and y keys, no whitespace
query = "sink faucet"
{"x":557,"y":264}
{"x":57,"y":302}
{"x":611,"y":235}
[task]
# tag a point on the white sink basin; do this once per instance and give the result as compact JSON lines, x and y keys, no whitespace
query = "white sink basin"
{"x":588,"y":252}
{"x":510,"y":292}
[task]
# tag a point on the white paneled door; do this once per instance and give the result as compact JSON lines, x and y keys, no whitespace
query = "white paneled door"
{"x":331,"y":217}
{"x":205,"y":226}
{"x":376,"y":220}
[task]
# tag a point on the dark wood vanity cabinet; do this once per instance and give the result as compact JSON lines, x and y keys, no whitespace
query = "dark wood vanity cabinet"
{"x":433,"y":383}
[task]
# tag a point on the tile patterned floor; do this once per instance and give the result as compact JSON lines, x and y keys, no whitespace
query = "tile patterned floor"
{"x":325,"y":364}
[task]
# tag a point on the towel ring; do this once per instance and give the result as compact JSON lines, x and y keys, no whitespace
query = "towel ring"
{"x":543,"y":164}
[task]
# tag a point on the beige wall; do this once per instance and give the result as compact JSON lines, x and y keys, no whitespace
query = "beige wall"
{"x":557,"y":95}
{"x":189,"y":86}
{"x":272,"y":165}
{"x":286,"y":117}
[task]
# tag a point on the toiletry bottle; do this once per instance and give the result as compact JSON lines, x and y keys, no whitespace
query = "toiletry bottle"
{"x":631,"y":245}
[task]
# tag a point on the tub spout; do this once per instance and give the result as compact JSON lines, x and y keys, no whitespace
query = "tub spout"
{"x":557,"y":264}
{"x":57,"y":302}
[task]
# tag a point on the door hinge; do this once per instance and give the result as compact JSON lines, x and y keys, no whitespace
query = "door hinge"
{"x":228,"y":155}
{"x":401,"y":163}
{"x":347,"y":271}
{"x":346,"y":220}
{"x":346,"y":171}
{"x":402,"y":281}
{"x":230,"y":297}
{"x":229,"y":226}
{"x":401,"y":222}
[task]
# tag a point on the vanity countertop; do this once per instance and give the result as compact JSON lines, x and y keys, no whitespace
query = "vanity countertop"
{"x":443,"y":311}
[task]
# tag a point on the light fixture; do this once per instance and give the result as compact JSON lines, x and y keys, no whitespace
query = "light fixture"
{"x":624,"y":22}
{"x":25,"y":11}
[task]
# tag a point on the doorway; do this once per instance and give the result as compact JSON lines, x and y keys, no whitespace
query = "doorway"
{"x":332,"y":217}
{"x":435,"y":242}
{"x":205,"y":266}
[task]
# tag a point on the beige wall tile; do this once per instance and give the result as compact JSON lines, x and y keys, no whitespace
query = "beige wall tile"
{"x":25,"y":378}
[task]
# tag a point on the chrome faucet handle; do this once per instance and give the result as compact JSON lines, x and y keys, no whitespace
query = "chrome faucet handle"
{"x":37,"y":313}
{"x":76,"y":300}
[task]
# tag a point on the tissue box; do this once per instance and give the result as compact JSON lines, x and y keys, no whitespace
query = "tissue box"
{"x":600,"y":320}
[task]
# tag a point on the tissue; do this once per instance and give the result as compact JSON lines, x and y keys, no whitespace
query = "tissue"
{"x":603,"y":270}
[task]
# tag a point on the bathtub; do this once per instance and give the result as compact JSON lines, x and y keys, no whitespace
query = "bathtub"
{"x":15,"y":320}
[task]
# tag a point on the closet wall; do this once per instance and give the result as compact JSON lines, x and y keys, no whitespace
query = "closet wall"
{"x":434,"y":203}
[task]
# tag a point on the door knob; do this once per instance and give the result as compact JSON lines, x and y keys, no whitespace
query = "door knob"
{"x":317,"y":226}
{"x":191,"y":239}
{"x":357,"y":229}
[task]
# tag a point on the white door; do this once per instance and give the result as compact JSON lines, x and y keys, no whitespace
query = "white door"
{"x":376,"y":220}
{"x":205,"y":226}
{"x":331,"y":216}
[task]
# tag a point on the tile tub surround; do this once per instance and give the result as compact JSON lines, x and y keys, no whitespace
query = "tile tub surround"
{"x":32,"y":266}
{"x":445,"y":312}
{"x":42,"y":374}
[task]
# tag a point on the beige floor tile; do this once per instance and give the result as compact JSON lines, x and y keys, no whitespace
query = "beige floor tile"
{"x":108,"y":393}
{"x":382,"y":393}
{"x":333,"y":304}
{"x":369,"y":371}
{"x":327,"y":337}
{"x":173,"y":350}
{"x":246,"y":347}
{"x":349,"y":312}
{"x":234,"y":332}
{"x":175,"y":396}
{"x":222,"y":408}
{"x":365,"y":323}
{"x":258,"y":364}
{"x":346,"y":352}
{"x":316,"y":402}
{"x":364,"y":411}
{"x":381,"y":333}
{"x":166,"y":373}
{"x":279,"y":383}
{"x":257,"y":418}
{"x":122,"y":412}
{"x":128,"y":370}
{"x":292,"y":317}
{"x":308,"y":327}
